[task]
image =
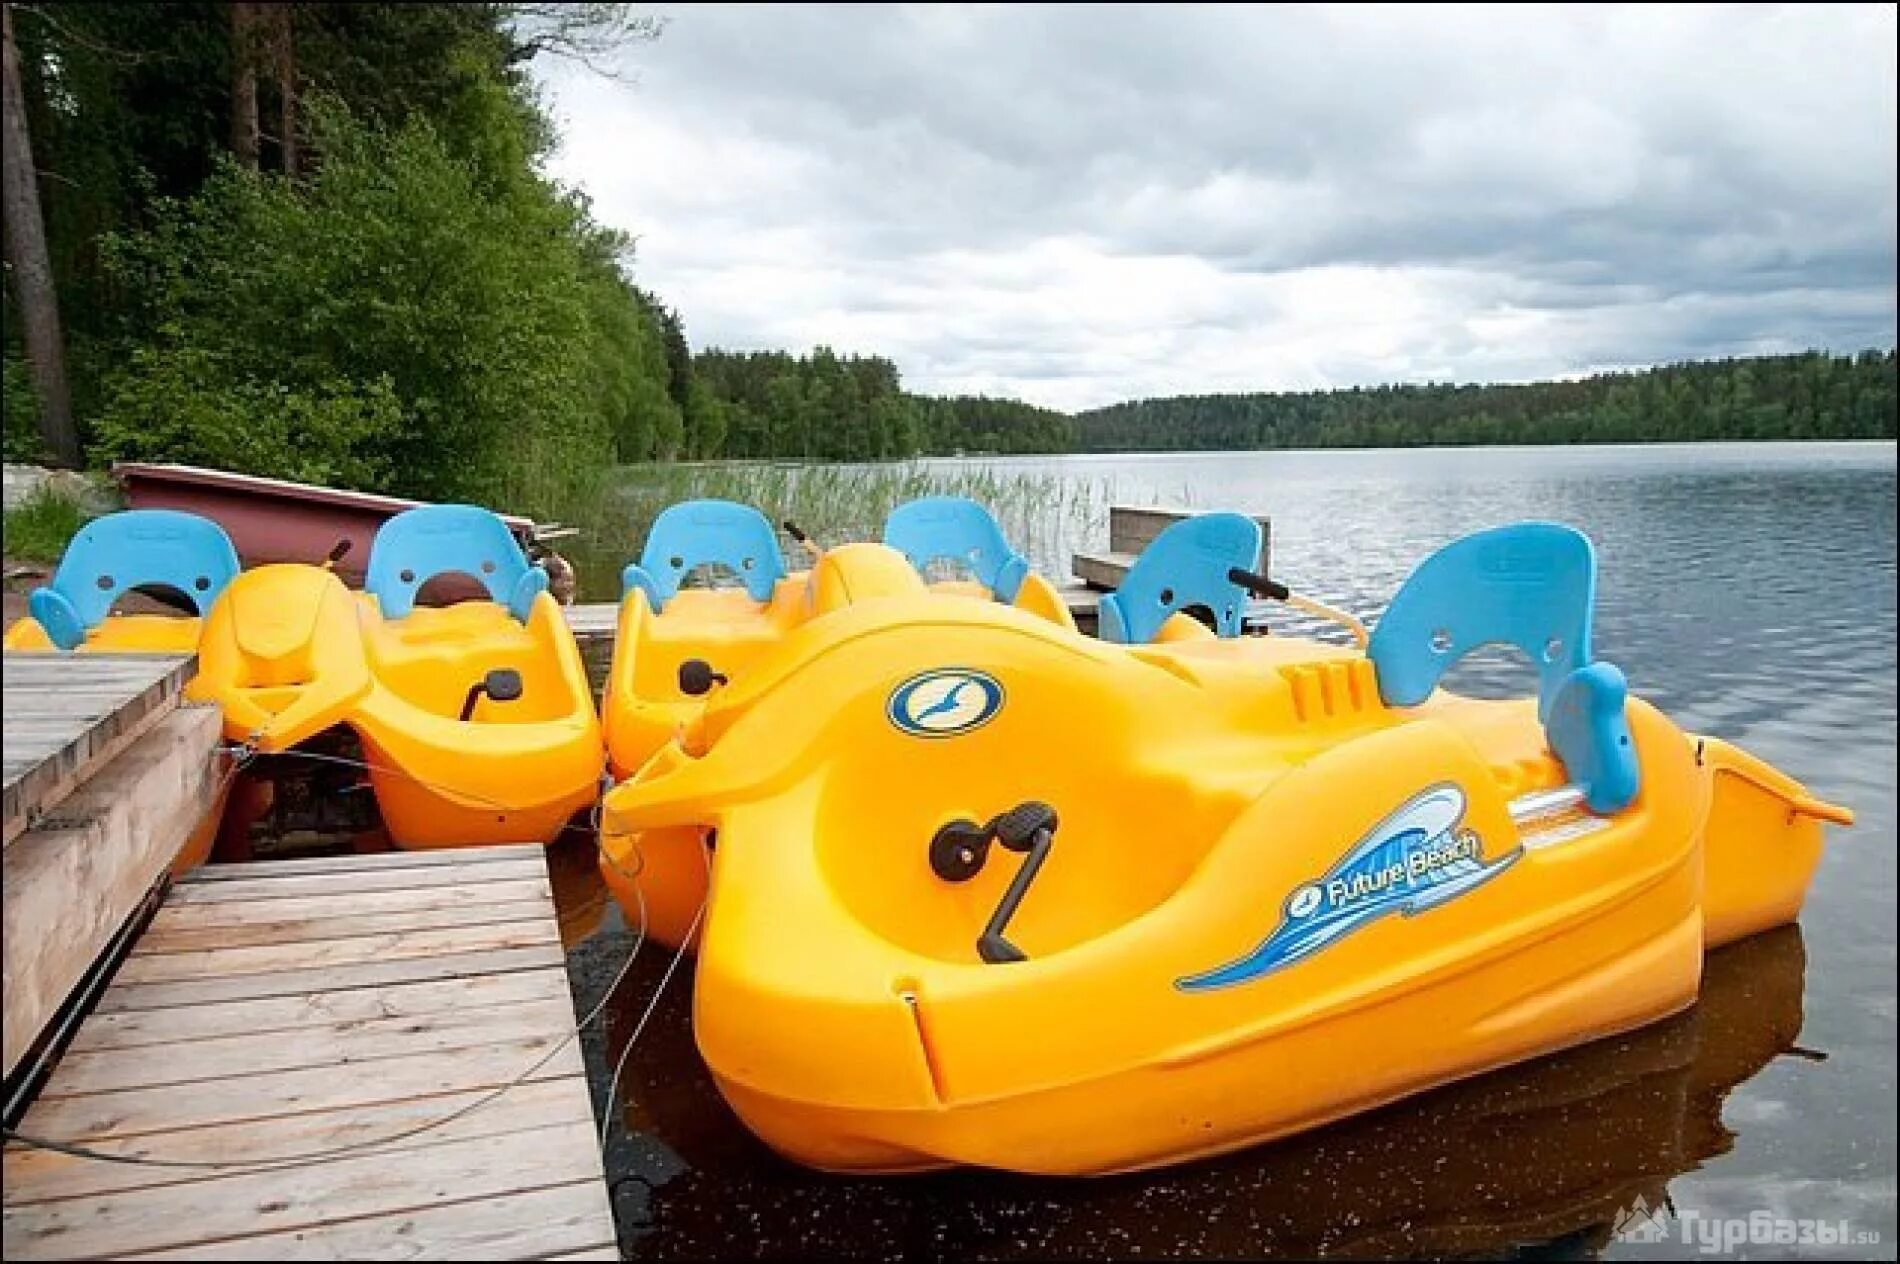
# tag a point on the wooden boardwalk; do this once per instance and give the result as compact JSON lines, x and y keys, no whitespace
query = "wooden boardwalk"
{"x":278,"y":1010}
{"x":66,"y":713}
{"x":108,"y":779}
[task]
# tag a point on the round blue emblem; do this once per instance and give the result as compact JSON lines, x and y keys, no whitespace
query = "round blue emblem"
{"x":944,"y":703}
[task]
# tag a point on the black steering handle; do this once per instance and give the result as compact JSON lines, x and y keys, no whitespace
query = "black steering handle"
{"x":1259,"y":585}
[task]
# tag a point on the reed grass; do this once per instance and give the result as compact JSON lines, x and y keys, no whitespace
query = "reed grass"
{"x":39,"y":529}
{"x":834,"y":504}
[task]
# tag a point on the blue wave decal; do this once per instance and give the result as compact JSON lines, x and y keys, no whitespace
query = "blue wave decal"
{"x":1416,"y":859}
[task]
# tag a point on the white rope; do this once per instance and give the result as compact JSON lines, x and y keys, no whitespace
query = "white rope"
{"x":679,"y":954}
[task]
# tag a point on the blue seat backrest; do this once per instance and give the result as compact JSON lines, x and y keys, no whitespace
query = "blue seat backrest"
{"x":111,"y":555}
{"x":706,"y":532}
{"x":430,"y":540}
{"x":1186,"y":565}
{"x":934,"y":528}
{"x":1532,"y":585}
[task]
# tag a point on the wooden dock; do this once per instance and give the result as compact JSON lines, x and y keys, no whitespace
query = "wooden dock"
{"x":295,"y":1009}
{"x":67,"y":714}
{"x":108,"y":779}
{"x":1132,"y":529}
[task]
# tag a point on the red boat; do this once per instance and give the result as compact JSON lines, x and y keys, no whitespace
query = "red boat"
{"x":274,"y":520}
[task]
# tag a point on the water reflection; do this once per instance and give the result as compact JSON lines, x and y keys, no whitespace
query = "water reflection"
{"x":1548,"y":1156}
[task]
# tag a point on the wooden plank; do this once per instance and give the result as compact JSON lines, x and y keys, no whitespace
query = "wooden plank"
{"x":165,"y":1108}
{"x":378,"y":974}
{"x":346,"y":1044}
{"x":593,"y":619}
{"x":67,"y":713}
{"x":366,"y":880}
{"x":1132,"y":528}
{"x":68,"y":890}
{"x":245,"y":1205}
{"x":381,"y":862}
{"x":235,"y":913}
{"x":1102,"y":571}
{"x":45,"y":1175}
{"x":174,"y":1025}
{"x":174,"y":967}
{"x":565,"y":1220}
{"x":174,"y":937}
{"x":388,"y":1084}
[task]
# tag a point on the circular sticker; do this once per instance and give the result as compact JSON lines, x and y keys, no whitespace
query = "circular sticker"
{"x":944,"y":703}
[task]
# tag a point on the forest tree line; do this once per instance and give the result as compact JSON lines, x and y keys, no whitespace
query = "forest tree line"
{"x":772,"y":404}
{"x":1808,"y":396}
{"x":854,"y":408}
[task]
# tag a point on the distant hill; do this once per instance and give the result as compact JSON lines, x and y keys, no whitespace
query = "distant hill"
{"x":1809,"y":396}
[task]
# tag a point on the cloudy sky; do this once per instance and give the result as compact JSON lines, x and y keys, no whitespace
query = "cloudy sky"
{"x":1077,"y":205}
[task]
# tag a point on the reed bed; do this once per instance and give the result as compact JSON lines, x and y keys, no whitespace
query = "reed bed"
{"x":1041,"y":513}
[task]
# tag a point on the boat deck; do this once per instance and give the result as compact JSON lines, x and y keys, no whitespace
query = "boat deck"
{"x":315,"y":1011}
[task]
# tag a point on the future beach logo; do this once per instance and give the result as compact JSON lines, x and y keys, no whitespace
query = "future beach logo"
{"x":1415,"y":859}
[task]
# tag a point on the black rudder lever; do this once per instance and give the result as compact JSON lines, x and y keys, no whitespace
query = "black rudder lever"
{"x":501,"y":685}
{"x":697,"y":677}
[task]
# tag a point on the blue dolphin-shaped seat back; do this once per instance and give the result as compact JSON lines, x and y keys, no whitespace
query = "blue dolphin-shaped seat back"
{"x":1186,"y":565}
{"x":937,"y":527}
{"x":701,"y":532}
{"x":418,"y":544}
{"x":118,"y":552}
{"x":1532,"y":585}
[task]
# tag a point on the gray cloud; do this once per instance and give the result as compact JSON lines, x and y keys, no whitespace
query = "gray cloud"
{"x":1081,"y":204}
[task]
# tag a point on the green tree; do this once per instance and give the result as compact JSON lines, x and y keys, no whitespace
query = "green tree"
{"x":394,"y":266}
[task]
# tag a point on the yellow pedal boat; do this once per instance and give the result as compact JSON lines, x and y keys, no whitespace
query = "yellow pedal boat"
{"x":987,"y":892}
{"x":476,"y":719}
{"x":114,"y":555}
{"x":676,"y":644}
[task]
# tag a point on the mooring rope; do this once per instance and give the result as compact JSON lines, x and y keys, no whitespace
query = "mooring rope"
{"x":242,"y":755}
{"x":653,"y":1002}
{"x":247,"y":753}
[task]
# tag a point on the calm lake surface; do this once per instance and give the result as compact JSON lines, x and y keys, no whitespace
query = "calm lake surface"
{"x":1748,"y":590}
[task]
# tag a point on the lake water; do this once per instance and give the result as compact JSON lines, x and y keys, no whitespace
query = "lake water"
{"x":1748,"y":590}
